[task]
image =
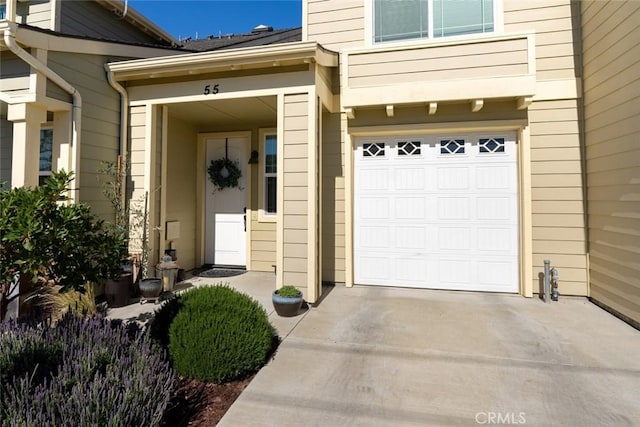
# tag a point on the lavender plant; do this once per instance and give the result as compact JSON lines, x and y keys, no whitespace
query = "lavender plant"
{"x":81,"y":373}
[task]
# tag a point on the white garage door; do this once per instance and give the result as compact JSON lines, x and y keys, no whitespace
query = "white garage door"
{"x":437,"y":212}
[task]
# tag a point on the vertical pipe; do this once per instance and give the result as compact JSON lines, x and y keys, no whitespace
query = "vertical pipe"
{"x":547,"y":290}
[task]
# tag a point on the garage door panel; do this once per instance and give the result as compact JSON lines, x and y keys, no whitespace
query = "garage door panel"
{"x":454,"y":238}
{"x":453,"y":208}
{"x":407,"y":208}
{"x":373,"y":237}
{"x":437,"y":220}
{"x":453,"y":178}
{"x":497,"y":239}
{"x":411,"y":238}
{"x":494,"y":208}
{"x":409,"y":179}
{"x":375,"y":208}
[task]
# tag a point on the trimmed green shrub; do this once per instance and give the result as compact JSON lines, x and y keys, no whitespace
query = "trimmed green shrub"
{"x":214,"y":333}
{"x":289,"y":291}
{"x":82,"y":372}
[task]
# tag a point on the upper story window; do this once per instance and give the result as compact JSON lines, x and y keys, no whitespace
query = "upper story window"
{"x":3,"y":12}
{"x":415,"y":19}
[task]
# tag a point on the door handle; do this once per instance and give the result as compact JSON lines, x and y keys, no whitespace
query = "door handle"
{"x":245,"y":218}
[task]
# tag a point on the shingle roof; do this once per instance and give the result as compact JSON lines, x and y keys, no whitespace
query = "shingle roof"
{"x":234,"y":41}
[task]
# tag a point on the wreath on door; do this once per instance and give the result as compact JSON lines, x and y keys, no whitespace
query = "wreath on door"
{"x":224,"y":173}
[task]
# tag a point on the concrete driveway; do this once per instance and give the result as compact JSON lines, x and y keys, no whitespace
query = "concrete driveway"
{"x":372,"y":356}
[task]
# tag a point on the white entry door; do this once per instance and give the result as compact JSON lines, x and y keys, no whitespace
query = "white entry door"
{"x":437,"y":211}
{"x":225,"y":210}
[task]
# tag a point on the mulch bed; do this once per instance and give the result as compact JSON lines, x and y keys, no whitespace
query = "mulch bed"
{"x":197,"y":403}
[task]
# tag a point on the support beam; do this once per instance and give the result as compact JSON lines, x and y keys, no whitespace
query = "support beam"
{"x":433,"y":107}
{"x":476,"y":105}
{"x":389,"y":110}
{"x":350,"y":112}
{"x":524,"y":102}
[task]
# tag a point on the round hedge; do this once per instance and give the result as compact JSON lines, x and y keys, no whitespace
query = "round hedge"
{"x":216,"y":333}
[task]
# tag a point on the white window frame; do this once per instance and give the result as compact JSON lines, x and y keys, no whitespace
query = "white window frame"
{"x":369,"y":28}
{"x":263,"y":215}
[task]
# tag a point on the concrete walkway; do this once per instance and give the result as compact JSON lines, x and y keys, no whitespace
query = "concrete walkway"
{"x":375,"y":356}
{"x":372,"y":356}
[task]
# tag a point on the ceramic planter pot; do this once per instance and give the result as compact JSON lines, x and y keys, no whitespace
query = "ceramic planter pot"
{"x":286,"y":306}
{"x":150,"y":288}
{"x":117,"y":291}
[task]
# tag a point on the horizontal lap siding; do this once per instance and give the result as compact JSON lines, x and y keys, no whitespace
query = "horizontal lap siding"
{"x":336,"y":24}
{"x":477,"y":60}
{"x":557,"y":195}
{"x":138,"y":117}
{"x":557,"y":35}
{"x":263,"y":245}
{"x":333,"y":195}
{"x":6,"y":152}
{"x":14,"y":74}
{"x":611,"y":94}
{"x":37,"y":14}
{"x":295,"y":215}
{"x":100,"y":119}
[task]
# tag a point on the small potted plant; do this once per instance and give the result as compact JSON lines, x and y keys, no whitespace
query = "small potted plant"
{"x":287,"y":301}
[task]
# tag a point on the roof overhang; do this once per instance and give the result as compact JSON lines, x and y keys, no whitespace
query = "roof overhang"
{"x":285,"y":54}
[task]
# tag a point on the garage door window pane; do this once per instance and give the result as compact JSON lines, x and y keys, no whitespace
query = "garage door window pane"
{"x":375,"y":149}
{"x":452,"y":146}
{"x":409,"y":148}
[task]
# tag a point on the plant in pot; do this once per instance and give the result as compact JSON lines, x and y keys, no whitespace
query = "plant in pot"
{"x":287,"y":301}
{"x":150,"y":287}
{"x":117,"y":286}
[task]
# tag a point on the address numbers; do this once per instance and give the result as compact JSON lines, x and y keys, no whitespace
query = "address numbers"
{"x":211,"y":89}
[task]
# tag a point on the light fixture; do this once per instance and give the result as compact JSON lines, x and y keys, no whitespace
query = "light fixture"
{"x":253,"y":160}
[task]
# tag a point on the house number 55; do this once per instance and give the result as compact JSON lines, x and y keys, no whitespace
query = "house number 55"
{"x":211,"y":89}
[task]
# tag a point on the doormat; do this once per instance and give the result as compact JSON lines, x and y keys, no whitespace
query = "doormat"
{"x":218,"y":272}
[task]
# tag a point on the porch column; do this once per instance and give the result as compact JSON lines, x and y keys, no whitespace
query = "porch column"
{"x":298,"y":228}
{"x":27,"y":119}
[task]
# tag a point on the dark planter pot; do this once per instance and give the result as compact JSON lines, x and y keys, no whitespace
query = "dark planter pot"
{"x":117,"y":291}
{"x":286,"y":306}
{"x":150,"y":288}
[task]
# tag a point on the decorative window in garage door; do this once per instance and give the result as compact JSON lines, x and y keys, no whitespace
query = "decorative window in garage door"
{"x":452,"y":146}
{"x":492,"y":145}
{"x":409,"y":148}
{"x":374,"y":149}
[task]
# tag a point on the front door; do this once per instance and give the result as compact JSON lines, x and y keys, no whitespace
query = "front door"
{"x":225,"y":225}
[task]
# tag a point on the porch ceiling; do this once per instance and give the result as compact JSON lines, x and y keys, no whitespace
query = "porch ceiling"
{"x":236,"y":112}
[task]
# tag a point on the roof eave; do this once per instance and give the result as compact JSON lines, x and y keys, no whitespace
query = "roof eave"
{"x":212,"y":61}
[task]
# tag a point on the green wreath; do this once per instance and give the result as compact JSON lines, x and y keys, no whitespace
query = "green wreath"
{"x":224,"y":173}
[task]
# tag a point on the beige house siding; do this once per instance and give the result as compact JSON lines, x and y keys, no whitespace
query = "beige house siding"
{"x":100,"y":119}
{"x":611,"y":93}
{"x":479,"y":60}
{"x":333,"y":203}
{"x":181,"y":189}
{"x":6,"y":144}
{"x":555,"y":23}
{"x":557,"y":194}
{"x":138,"y":118}
{"x":89,"y":19}
{"x":295,"y":214}
{"x":14,"y":74}
{"x":336,"y":24}
{"x":35,"y":13}
{"x":263,"y":245}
